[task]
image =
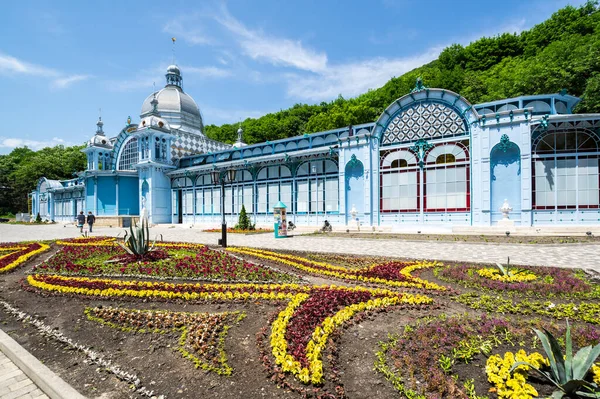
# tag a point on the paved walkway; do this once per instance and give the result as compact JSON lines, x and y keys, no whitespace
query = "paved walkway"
{"x":14,"y":384}
{"x":585,"y":256}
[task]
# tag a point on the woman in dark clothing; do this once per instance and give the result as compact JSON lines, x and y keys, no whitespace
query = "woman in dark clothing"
{"x":90,"y":220}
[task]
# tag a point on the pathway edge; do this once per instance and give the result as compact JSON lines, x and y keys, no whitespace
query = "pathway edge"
{"x":50,"y":383}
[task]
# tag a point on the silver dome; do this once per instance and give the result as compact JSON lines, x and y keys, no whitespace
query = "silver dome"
{"x":173,"y":69}
{"x":175,"y":106}
{"x":99,"y":141}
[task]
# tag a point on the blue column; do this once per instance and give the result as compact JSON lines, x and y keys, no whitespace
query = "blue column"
{"x":117,"y":192}
{"x":95,"y":195}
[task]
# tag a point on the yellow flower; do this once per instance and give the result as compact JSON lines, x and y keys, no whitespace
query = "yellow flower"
{"x":513,"y":385}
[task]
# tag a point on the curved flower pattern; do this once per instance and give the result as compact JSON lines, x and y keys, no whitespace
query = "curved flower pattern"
{"x":392,"y":274}
{"x":494,"y":274}
{"x":202,"y":335}
{"x":170,"y":260}
{"x":300,"y":332}
{"x":12,"y":254}
{"x":548,"y":280}
{"x":85,"y":241}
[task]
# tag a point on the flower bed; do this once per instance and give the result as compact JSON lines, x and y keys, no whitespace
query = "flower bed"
{"x":176,"y":260}
{"x":201,"y":335}
{"x":393,"y":274}
{"x":84,"y":241}
{"x":347,"y":261}
{"x":547,"y":281}
{"x":441,"y":358}
{"x":300,"y":332}
{"x":14,"y":254}
{"x":585,"y":311}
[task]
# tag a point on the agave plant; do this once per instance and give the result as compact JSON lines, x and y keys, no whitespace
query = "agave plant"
{"x":506,"y":271}
{"x":567,"y":372}
{"x":138,"y":241}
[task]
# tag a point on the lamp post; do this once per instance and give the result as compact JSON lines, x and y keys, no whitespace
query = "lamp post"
{"x":216,"y":179}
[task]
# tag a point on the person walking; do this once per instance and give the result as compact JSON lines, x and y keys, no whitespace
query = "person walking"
{"x":90,"y":220}
{"x":80,"y":221}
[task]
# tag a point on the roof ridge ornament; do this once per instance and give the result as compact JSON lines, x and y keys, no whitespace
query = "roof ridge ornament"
{"x":154,"y":103}
{"x":419,"y":86}
{"x":99,"y":124}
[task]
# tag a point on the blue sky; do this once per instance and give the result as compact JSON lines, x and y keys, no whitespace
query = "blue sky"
{"x":60,"y":61}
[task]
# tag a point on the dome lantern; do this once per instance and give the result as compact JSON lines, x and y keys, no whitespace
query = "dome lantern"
{"x":174,"y":105}
{"x":174,"y":76}
{"x":99,"y":125}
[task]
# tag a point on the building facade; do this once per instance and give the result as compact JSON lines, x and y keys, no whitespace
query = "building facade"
{"x":431,"y":158}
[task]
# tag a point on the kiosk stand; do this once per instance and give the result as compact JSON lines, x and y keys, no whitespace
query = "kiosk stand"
{"x":280,"y":227}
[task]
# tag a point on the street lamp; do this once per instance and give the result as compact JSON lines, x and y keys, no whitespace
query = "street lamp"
{"x":216,"y":179}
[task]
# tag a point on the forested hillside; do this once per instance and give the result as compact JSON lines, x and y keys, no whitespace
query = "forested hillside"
{"x":21,"y":169}
{"x":560,"y":53}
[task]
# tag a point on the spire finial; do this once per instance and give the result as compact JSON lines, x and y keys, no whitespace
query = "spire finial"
{"x":240,"y":132}
{"x":99,"y":124}
{"x":173,"y":48}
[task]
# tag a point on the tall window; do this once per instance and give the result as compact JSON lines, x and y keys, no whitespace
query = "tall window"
{"x":565,"y":168}
{"x":317,"y":187}
{"x":399,"y":182}
{"x":446,"y":179}
{"x":276,"y":187}
{"x":129,"y":155}
{"x":442,"y":185}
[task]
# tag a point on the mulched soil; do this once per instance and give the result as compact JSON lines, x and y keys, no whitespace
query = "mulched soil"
{"x":154,"y":359}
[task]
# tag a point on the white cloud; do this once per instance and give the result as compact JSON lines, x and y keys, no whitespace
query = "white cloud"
{"x":277,"y":51}
{"x":194,"y":36}
{"x":354,"y":78}
{"x":67,"y":81}
{"x":12,"y":65}
{"x":7,"y":142}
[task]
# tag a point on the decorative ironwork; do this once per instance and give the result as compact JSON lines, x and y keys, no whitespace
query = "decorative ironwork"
{"x":420,"y":148}
{"x":354,"y":168}
{"x":505,"y":143}
{"x":424,"y":121}
{"x":353,"y":163}
{"x":419,"y":86}
{"x":544,"y":123}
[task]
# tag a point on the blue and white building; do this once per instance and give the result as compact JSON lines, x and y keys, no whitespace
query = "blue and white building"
{"x":431,"y":159}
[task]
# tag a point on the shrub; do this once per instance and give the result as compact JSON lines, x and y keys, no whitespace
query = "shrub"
{"x":243,"y":221}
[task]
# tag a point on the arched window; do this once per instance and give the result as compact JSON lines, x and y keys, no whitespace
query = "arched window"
{"x":424,"y":120}
{"x":565,"y":166}
{"x":399,"y":163}
{"x":445,"y":158}
{"x":129,"y":155}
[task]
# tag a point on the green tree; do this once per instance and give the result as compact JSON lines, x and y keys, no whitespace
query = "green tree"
{"x":244,"y":222}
